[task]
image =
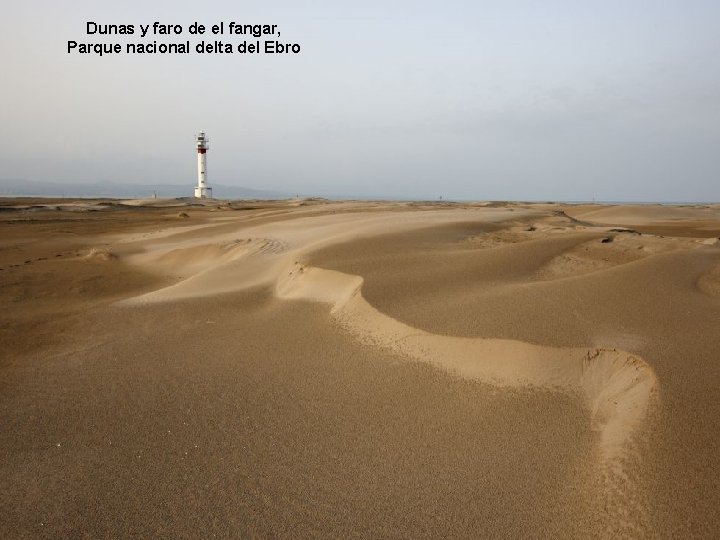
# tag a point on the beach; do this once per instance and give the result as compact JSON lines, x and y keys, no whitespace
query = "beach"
{"x":358,"y":369}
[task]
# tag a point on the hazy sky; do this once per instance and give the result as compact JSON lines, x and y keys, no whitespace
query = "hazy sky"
{"x":569,"y":100}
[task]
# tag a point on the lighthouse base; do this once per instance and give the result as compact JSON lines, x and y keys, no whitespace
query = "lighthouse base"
{"x":203,"y":193}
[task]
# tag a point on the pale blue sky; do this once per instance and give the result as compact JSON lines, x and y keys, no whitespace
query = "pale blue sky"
{"x":570,"y":100}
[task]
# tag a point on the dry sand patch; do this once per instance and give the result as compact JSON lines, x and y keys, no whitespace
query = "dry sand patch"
{"x":308,"y":416}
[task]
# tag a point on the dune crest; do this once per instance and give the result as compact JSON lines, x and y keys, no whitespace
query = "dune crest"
{"x":616,"y":386}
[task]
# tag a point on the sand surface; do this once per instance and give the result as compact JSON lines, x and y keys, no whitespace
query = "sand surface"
{"x":305,"y":369}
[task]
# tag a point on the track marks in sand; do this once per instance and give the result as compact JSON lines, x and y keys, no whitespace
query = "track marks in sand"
{"x":187,"y":261}
{"x":616,"y":386}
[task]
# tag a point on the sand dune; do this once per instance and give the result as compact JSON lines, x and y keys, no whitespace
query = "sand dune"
{"x":616,"y":385}
{"x":613,"y":248}
{"x":688,"y":220}
{"x":394,"y":370}
{"x":279,"y":242}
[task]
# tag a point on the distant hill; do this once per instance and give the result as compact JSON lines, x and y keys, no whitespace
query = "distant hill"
{"x":29,"y":188}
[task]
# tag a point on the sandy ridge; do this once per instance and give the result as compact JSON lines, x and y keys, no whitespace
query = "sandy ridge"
{"x":214,"y":263}
{"x":617,"y":386}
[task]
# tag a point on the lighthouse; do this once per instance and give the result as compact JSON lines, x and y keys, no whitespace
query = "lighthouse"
{"x":202,"y":143}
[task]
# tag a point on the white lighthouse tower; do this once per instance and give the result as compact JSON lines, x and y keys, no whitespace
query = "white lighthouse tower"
{"x":202,"y":143}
